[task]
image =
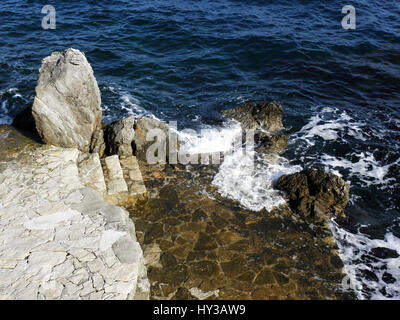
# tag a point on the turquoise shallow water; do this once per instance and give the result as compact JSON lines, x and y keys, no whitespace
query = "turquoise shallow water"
{"x":187,"y":60}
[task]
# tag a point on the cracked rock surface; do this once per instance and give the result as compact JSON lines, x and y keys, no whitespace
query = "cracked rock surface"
{"x":59,"y":239}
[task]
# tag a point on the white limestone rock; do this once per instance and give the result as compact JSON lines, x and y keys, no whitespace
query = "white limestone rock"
{"x":67,"y":105}
{"x":72,"y":245}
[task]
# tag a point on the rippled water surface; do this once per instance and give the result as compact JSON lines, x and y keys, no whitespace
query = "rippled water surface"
{"x":187,"y":60}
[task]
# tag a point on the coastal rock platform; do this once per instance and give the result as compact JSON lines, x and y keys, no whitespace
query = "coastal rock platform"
{"x":58,"y":238}
{"x":200,"y":245}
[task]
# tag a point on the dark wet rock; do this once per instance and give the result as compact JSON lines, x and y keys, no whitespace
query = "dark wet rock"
{"x":205,"y":242}
{"x":241,"y":245}
{"x":172,"y":275}
{"x":169,"y":192}
{"x":171,"y":221}
{"x":369,"y":275}
{"x":182,"y":294}
{"x":165,"y":245}
{"x":281,"y":278}
{"x":242,"y":286}
{"x":266,"y":120}
{"x":265,"y":115}
{"x":119,"y":136}
{"x":196,"y":226}
{"x":248,"y":276}
{"x":196,"y":255}
{"x":154,"y":232}
{"x":168,"y":260}
{"x":267,"y":142}
{"x":199,"y":215}
{"x":169,"y":197}
{"x":13,"y":142}
{"x":235,"y":267}
{"x":260,"y":294}
{"x":67,"y":105}
{"x":252,"y":256}
{"x":226,"y":237}
{"x":211,"y":229}
{"x":219,"y":222}
{"x":388,"y":278}
{"x":204,"y":269}
{"x":265,"y":277}
{"x":336,"y":262}
{"x":230,"y":294}
{"x":315,"y":194}
{"x":384,"y":253}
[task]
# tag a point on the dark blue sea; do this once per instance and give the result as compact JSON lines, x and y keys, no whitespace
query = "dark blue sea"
{"x":188,"y":60}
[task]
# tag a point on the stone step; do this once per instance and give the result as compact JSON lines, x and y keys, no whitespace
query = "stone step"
{"x":133,"y":177}
{"x":91,"y":172}
{"x":117,"y":189}
{"x":117,"y":179}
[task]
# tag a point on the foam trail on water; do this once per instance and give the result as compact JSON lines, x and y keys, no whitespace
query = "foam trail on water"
{"x":240,"y":178}
{"x":210,"y":139}
{"x":244,"y":175}
{"x":119,"y":103}
{"x":373,"y":265}
{"x":331,"y":125}
{"x":367,"y":168}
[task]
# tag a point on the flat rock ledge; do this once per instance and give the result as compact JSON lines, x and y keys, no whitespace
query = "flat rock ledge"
{"x":59,"y":239}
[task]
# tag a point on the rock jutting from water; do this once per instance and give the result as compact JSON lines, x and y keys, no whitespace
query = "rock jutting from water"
{"x":312,"y":193}
{"x":315,"y":194}
{"x":265,"y":115}
{"x":67,"y":105}
{"x":197,"y":244}
{"x":266,"y":120}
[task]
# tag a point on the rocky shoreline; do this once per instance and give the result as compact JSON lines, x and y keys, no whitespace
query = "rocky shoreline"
{"x":65,"y":234}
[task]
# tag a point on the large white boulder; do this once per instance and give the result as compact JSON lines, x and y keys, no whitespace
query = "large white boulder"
{"x":67,"y":105}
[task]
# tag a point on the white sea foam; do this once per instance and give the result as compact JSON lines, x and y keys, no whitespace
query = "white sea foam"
{"x":4,"y":117}
{"x":363,"y":168}
{"x":251,"y":185}
{"x":210,"y":139}
{"x":132,"y":105}
{"x":330,"y":124}
{"x":128,"y":104}
{"x":325,"y":126}
{"x":327,"y":131}
{"x":367,"y":168}
{"x":244,"y":175}
{"x":355,"y":249}
{"x":8,"y":104}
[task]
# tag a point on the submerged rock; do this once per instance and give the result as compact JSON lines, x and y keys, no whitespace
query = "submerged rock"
{"x":119,"y":137}
{"x":267,"y":142}
{"x":66,"y":108}
{"x":265,"y":115}
{"x":315,"y":194}
{"x":266,"y":120}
